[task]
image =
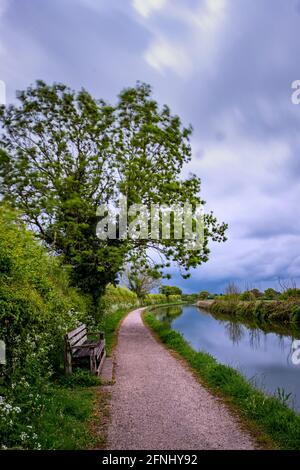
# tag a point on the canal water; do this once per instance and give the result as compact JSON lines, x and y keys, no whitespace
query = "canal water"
{"x":267,"y":358}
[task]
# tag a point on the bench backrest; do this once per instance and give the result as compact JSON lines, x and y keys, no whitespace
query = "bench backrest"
{"x":77,"y":337}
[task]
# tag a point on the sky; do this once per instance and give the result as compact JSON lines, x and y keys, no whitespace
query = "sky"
{"x":226,"y":67}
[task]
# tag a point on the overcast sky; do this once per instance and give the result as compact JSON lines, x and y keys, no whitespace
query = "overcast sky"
{"x":226,"y":67}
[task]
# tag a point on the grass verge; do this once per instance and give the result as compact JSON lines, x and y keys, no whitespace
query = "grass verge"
{"x":67,"y":420}
{"x":271,"y":419}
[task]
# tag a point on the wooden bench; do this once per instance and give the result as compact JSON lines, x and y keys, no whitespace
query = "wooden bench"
{"x":80,"y":352}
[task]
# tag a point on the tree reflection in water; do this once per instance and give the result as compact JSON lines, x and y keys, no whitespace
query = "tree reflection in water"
{"x":235,"y":331}
{"x":168,"y":314}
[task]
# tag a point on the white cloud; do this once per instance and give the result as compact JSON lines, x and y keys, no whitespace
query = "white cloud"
{"x":3,"y":8}
{"x":209,"y":15}
{"x":146,"y":7}
{"x":162,"y":55}
{"x":198,"y":40}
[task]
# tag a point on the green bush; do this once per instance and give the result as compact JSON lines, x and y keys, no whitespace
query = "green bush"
{"x":247,"y":295}
{"x":37,"y":307}
{"x":153,"y":299}
{"x":174,"y":298}
{"x":116,"y":298}
{"x":295,"y":314}
{"x":290,"y":294}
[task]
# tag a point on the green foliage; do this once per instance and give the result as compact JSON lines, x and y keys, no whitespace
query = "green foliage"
{"x":256,"y":293}
{"x":67,"y":419}
{"x":295,"y":313}
{"x":79,"y":378}
{"x":153,"y":299}
{"x":109,"y":324}
{"x":248,"y":296}
{"x":37,"y":306}
{"x":276,"y":311}
{"x":63,"y":154}
{"x":203,"y":295}
{"x":191,"y":298}
{"x":174,"y":298}
{"x":116,"y":297}
{"x":271,"y":294}
{"x":170,"y":290}
{"x":270,"y":414}
{"x":290,"y":294}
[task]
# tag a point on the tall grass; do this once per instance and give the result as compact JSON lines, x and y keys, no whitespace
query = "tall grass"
{"x":287,"y":312}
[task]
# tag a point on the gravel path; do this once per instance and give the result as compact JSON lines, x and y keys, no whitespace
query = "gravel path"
{"x":158,"y":404}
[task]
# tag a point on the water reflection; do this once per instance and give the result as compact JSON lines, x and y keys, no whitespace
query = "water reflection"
{"x":168,"y":314}
{"x":235,"y":331}
{"x":263,"y":353}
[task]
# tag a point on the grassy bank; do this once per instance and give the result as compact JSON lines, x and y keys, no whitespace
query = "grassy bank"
{"x":283,"y":311}
{"x":269,"y":417}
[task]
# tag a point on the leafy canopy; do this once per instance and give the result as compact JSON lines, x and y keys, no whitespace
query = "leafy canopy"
{"x":63,"y":153}
{"x":170,"y":290}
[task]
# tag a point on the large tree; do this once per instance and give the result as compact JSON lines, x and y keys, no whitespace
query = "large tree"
{"x":64,"y":153}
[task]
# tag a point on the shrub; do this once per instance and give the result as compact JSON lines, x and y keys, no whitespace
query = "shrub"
{"x":248,"y":296}
{"x":116,"y":298}
{"x":37,"y":304}
{"x":152,"y":299}
{"x":37,"y":307}
{"x":203,"y":295}
{"x":174,"y":298}
{"x":271,"y":294}
{"x":290,"y":294}
{"x":295,"y":314}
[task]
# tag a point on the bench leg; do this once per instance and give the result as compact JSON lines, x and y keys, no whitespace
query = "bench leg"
{"x":93,"y":364}
{"x":68,"y":362}
{"x":102,"y":359}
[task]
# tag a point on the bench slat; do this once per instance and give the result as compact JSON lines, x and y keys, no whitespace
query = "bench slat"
{"x":85,"y":352}
{"x":79,"y":339}
{"x":76,"y":331}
